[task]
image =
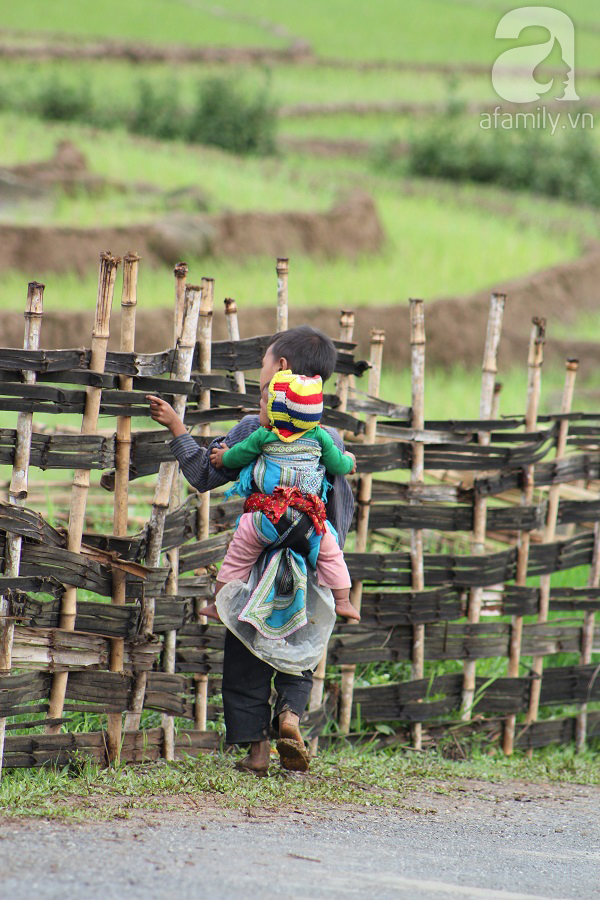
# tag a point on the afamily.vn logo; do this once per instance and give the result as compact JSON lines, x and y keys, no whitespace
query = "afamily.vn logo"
{"x":513,"y":74}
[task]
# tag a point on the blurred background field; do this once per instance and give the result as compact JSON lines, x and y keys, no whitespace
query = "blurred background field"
{"x":191,"y":109}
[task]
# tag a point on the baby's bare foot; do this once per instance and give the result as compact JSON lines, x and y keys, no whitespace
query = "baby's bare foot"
{"x":210,"y":612}
{"x":345,"y":608}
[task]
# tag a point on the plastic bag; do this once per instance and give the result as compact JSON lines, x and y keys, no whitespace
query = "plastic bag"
{"x":299,"y":651}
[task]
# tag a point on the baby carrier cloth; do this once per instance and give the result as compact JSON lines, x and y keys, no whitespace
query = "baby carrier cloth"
{"x":282,"y":614}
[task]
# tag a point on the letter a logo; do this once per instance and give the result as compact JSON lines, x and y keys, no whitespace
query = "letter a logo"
{"x":513,"y":72}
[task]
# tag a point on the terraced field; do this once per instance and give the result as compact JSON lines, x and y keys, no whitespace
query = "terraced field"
{"x":346,"y":81}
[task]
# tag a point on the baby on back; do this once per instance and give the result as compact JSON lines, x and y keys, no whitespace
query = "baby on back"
{"x":284,"y":465}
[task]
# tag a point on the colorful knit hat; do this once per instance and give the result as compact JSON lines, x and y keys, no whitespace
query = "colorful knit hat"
{"x":295,"y":404}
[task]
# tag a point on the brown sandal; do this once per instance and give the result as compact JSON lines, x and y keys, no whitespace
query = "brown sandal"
{"x":293,"y":755}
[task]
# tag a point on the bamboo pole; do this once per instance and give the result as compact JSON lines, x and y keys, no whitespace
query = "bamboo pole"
{"x":341,"y":390}
{"x":534,"y":365}
{"x":122,"y":462}
{"x":417,"y":346}
{"x":496,"y":400}
{"x":19,"y":483}
{"x":537,"y":666}
{"x":282,"y":270}
{"x":362,"y":522}
{"x":203,"y":529}
{"x":233,"y":332}
{"x":170,"y":640}
{"x":486,"y":403}
{"x":182,"y":368}
{"x":587,"y":640}
{"x":81,"y":479}
{"x":180,"y":272}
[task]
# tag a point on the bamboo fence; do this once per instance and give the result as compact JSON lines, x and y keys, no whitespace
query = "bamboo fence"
{"x":103,"y":620}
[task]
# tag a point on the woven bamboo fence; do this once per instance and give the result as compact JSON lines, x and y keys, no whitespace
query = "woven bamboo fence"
{"x":451,"y":559}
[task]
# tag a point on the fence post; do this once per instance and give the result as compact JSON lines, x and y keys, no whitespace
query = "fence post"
{"x":170,"y":640}
{"x":486,"y":404}
{"x":180,"y":272}
{"x":587,"y":640}
{"x":19,"y":482}
{"x":534,"y":365}
{"x":417,"y":346}
{"x":537,"y":666}
{"x":282,"y":269}
{"x":362,"y":521}
{"x":341,"y":389}
{"x":204,"y":366}
{"x":233,"y":333}
{"x":182,"y":368}
{"x":122,"y":463}
{"x":81,"y":479}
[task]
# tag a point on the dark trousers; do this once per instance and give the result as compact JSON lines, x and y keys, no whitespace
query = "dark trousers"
{"x":247,"y":692}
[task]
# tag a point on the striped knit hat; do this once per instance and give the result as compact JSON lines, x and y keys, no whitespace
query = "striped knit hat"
{"x":295,"y":404}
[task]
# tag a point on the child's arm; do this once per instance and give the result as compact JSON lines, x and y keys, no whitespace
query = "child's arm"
{"x":194,"y":459}
{"x":163,"y":413}
{"x":244,"y":452}
{"x":335,"y":461}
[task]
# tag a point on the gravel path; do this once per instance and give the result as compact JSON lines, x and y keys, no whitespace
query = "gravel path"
{"x":474,"y":840}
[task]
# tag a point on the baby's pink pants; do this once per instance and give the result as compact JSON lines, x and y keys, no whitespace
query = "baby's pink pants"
{"x":246,"y":546}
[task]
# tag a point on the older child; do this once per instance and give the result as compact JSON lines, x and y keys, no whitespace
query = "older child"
{"x":247,"y":678}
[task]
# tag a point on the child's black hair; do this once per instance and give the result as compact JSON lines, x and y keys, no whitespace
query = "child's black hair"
{"x":308,"y":351}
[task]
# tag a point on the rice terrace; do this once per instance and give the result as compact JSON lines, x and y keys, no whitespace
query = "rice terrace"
{"x":360,"y":245}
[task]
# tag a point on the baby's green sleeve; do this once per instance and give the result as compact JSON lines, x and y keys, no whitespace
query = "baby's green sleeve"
{"x":246,"y":451}
{"x":336,"y":462}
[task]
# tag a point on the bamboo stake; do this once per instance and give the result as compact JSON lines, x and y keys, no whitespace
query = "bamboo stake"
{"x":180,"y":272}
{"x":362,"y":522}
{"x":587,"y":640}
{"x":122,"y":461}
{"x":534,"y":365}
{"x":203,"y":529}
{"x":417,"y":345}
{"x":537,"y":667}
{"x":318,"y":685}
{"x":233,"y":332}
{"x":486,"y":403}
{"x":162,"y":495}
{"x":81,"y":479}
{"x":170,"y":640}
{"x":496,"y":400}
{"x":17,"y":493}
{"x":282,"y":269}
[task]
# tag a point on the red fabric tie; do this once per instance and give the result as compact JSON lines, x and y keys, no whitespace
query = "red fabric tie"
{"x":274,"y":505}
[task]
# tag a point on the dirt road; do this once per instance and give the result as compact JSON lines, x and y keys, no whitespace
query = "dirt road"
{"x":472,"y":840}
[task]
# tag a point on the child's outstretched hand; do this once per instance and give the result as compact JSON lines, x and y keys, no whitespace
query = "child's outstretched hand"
{"x":216,"y":455}
{"x":163,"y":413}
{"x":353,"y":458}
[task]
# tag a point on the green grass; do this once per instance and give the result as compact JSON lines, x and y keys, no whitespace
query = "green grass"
{"x":158,"y":21}
{"x":229,"y":182}
{"x":83,"y":791}
{"x":114,"y":84}
{"x":586,"y":327}
{"x":425,"y":252}
{"x":437,"y":30}
{"x":114,"y":89}
{"x":455,"y":393}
